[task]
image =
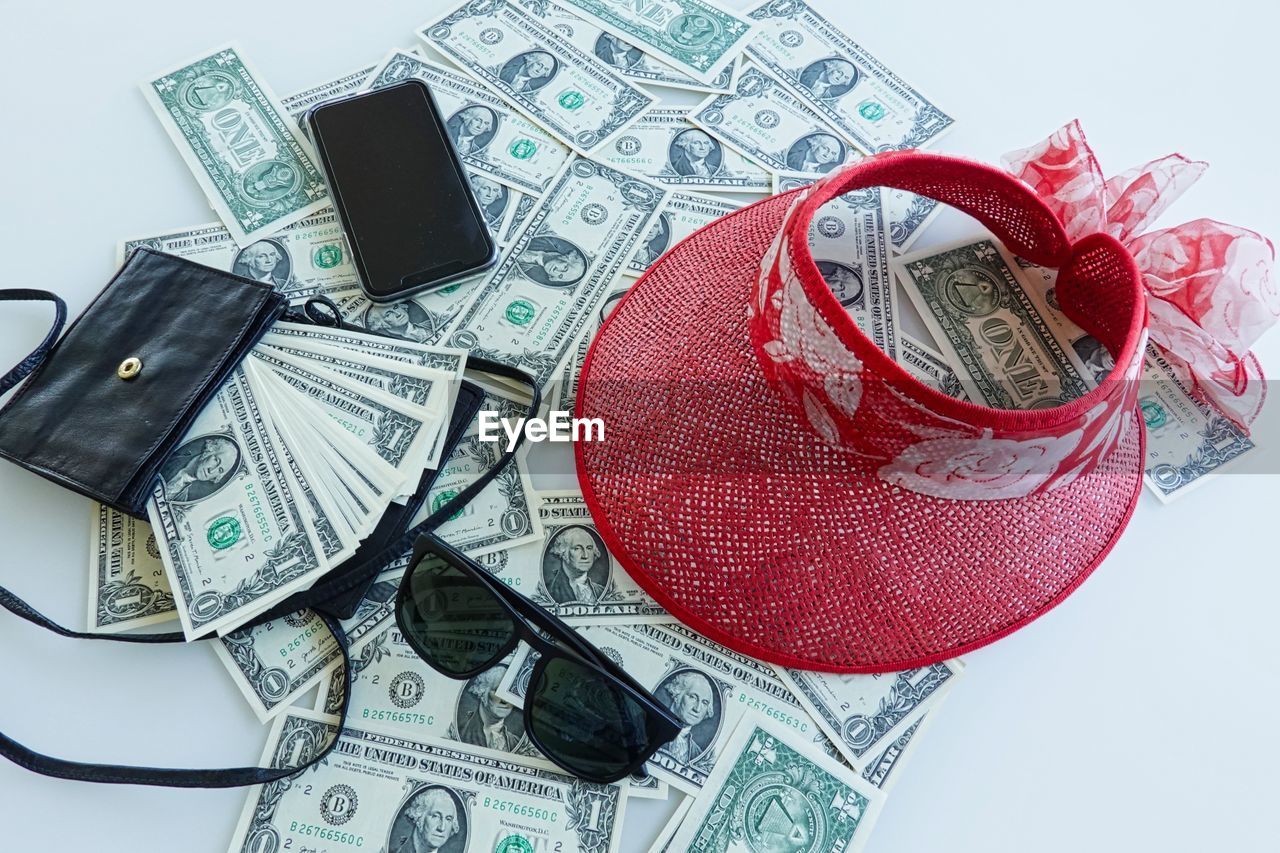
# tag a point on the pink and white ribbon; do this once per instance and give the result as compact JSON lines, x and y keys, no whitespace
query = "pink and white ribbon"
{"x":1210,"y":288}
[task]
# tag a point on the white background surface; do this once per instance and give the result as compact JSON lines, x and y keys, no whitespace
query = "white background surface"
{"x":1140,"y":715}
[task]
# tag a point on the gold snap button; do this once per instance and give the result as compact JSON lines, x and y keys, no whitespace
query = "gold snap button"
{"x":129,"y":368}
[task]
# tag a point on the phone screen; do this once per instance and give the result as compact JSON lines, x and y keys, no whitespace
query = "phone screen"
{"x":400,"y":191}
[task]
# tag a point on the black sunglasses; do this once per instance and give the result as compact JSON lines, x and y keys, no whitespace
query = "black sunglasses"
{"x":582,"y":711}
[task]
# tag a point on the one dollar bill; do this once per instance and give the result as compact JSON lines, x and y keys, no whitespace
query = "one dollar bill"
{"x":385,"y":792}
{"x":565,"y":390}
{"x":848,"y":241}
{"x":276,"y":662}
{"x":666,"y":147}
{"x":128,"y":587}
{"x":620,"y":53}
{"x":988,"y":324}
{"x":929,"y":366}
{"x":234,"y":535}
{"x":684,"y":214}
{"x":906,"y":214}
{"x":863,"y":714}
{"x":870,"y":105}
{"x":1012,"y":346}
{"x":764,"y":120}
{"x":248,"y":156}
{"x":302,"y":100}
{"x":504,"y":513}
{"x":698,"y":37}
{"x":1189,"y":441}
{"x":575,"y":96}
{"x":531,"y":309}
{"x":773,"y":791}
{"x":394,"y":688}
{"x":570,"y":572}
{"x":304,"y":259}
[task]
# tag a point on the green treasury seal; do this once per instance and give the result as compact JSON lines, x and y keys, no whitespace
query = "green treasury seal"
{"x":520,"y":312}
{"x":514,"y":844}
{"x":224,"y":532}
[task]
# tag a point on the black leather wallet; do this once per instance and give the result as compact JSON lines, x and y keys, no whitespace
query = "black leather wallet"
{"x":117,"y":392}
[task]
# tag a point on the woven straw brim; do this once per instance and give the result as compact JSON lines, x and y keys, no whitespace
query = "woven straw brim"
{"x":740,"y":521}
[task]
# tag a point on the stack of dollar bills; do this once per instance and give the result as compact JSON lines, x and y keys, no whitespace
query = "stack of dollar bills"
{"x":590,"y":159}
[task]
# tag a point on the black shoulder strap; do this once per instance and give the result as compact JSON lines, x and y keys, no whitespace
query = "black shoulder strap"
{"x":228,"y":777}
{"x":32,"y":361}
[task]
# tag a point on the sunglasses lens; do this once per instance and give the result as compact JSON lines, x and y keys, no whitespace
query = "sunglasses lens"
{"x":586,"y":721}
{"x":457,"y":624}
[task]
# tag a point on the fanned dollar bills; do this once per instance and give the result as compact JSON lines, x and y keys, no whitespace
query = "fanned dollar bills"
{"x":290,"y":467}
{"x":229,"y":517}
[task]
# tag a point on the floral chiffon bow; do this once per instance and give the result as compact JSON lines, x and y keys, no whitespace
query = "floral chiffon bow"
{"x":1210,"y":289}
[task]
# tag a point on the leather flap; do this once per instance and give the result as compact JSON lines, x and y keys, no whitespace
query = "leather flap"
{"x":79,"y":423}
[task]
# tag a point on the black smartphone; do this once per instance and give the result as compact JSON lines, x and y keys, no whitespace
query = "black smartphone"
{"x":398,"y":187}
